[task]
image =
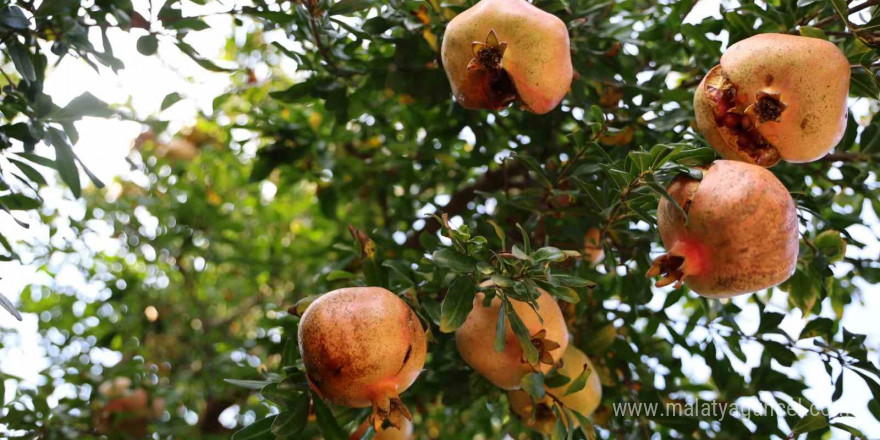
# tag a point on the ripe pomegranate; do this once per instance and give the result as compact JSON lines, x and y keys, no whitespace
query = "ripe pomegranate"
{"x":593,"y":250}
{"x":390,"y":433}
{"x":363,"y":346}
{"x":775,"y":97}
{"x":476,"y":336}
{"x":741,"y":235}
{"x":126,"y":411}
{"x":501,"y":51}
{"x":540,"y":416}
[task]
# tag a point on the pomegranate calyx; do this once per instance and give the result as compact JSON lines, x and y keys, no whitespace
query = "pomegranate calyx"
{"x":672,"y":267}
{"x":488,"y":55}
{"x":389,"y":408}
{"x":768,"y":107}
{"x":544,"y":346}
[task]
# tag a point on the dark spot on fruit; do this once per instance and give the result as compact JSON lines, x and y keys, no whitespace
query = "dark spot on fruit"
{"x":768,"y":80}
{"x":804,"y":123}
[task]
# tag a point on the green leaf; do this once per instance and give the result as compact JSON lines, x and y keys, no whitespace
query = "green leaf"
{"x":811,"y":422}
{"x":291,"y":422}
{"x":344,"y":7}
{"x":203,"y":62}
{"x":148,"y":45}
{"x":249,"y":384}
{"x":580,"y":381}
{"x":19,"y":202}
{"x":500,"y":233}
{"x":570,"y":281}
{"x":519,"y":254}
{"x":326,"y":422}
{"x":291,"y":352}
{"x":13,"y":17}
{"x":548,"y":253}
{"x":259,"y":430}
{"x":450,"y":258}
{"x":533,"y":383}
{"x":813,"y":32}
{"x":566,"y":294}
{"x":21,"y":58}
{"x":83,"y":105}
{"x":170,"y":99}
{"x":29,"y":171}
{"x":457,"y":304}
{"x":817,"y":327}
{"x":501,"y":329}
{"x":65,"y":160}
{"x":530,"y":352}
{"x":770,"y":322}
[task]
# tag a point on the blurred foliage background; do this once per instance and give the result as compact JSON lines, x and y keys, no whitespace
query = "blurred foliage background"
{"x":195,"y":256}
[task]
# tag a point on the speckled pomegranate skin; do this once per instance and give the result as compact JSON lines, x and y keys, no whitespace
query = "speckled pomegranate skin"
{"x":742,"y":233}
{"x":810,"y":75}
{"x":476,"y":336}
{"x":537,"y":58}
{"x":360,"y":344}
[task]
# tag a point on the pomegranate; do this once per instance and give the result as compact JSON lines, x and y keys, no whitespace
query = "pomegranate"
{"x":541,"y":416}
{"x":476,"y":336}
{"x":741,"y":235}
{"x":775,"y":97}
{"x":501,"y":51}
{"x":593,"y":250}
{"x":125,"y":411}
{"x":405,"y":432}
{"x":363,"y":346}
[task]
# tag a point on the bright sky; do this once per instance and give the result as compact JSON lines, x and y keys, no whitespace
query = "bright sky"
{"x":145,"y":81}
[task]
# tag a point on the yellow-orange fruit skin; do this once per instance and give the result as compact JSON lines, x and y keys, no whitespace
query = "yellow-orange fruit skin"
{"x":742,"y":233}
{"x":593,"y":250}
{"x":361,"y":344}
{"x":476,"y":336}
{"x":537,"y":58}
{"x":812,"y":78}
{"x":127,"y":413}
{"x":584,"y":401}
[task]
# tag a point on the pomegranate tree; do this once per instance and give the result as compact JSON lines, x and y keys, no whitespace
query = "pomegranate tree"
{"x":501,"y":51}
{"x":363,"y":346}
{"x":545,"y":324}
{"x":775,"y":97}
{"x":740,"y":234}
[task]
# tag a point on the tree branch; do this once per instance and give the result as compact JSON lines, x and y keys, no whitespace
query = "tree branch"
{"x":491,"y":181}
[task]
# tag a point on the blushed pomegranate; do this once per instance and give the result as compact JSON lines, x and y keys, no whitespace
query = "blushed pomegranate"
{"x":363,"y":346}
{"x":540,"y":415}
{"x":476,"y":336}
{"x":501,"y":51}
{"x":741,"y":235}
{"x":775,"y":97}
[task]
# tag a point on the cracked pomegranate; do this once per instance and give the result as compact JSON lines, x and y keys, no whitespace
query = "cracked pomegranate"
{"x":540,"y":415}
{"x":501,"y":51}
{"x":775,"y":97}
{"x":741,"y":234}
{"x":362,"y":347}
{"x":476,"y":336}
